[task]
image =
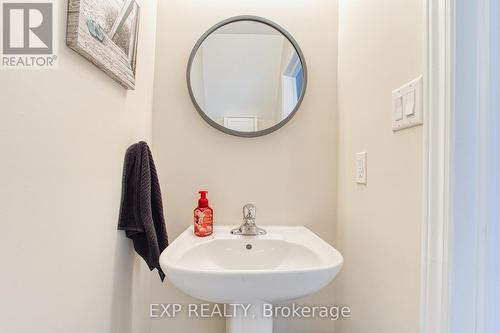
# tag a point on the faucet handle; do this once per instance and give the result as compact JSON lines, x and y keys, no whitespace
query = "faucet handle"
{"x":249,"y":212}
{"x":248,"y":227}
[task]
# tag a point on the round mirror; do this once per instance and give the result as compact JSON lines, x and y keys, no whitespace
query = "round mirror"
{"x":247,"y":76}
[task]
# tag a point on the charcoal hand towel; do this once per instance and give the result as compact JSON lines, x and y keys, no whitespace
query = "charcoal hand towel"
{"x":141,"y":212}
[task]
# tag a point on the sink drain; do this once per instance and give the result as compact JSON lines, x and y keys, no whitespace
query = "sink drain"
{"x":249,"y":246}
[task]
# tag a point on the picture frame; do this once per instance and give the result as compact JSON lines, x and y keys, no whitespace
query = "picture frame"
{"x":105,"y":32}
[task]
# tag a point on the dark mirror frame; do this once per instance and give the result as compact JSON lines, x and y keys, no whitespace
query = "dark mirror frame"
{"x":195,"y":50}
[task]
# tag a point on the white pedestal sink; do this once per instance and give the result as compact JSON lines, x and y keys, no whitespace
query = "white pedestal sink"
{"x":287,"y":263}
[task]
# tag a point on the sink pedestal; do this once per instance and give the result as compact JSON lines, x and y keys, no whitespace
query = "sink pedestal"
{"x":253,"y":322}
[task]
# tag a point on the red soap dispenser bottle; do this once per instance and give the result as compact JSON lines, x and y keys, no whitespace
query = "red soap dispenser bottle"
{"x":203,"y":217}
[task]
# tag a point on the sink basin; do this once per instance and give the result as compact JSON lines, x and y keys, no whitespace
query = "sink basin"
{"x":287,"y":263}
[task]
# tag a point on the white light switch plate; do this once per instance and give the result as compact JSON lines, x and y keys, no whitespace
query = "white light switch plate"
{"x":361,"y":168}
{"x":407,"y":106}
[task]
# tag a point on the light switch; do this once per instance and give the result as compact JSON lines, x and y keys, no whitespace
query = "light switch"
{"x":407,"y":105}
{"x":398,"y":108}
{"x":410,"y":104}
{"x":361,"y":168}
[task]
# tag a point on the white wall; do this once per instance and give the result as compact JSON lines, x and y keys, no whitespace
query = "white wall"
{"x":493,"y":247}
{"x":474,"y":233}
{"x":290,"y":175}
{"x":64,"y":132}
{"x":380,"y":48}
{"x":466,"y":175}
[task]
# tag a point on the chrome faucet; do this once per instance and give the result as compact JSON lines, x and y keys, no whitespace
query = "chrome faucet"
{"x":248,"y":227}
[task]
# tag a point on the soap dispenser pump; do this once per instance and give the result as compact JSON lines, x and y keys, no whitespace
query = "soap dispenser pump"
{"x":203,"y":217}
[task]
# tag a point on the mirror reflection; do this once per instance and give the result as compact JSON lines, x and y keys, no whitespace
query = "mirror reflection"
{"x":247,"y":76}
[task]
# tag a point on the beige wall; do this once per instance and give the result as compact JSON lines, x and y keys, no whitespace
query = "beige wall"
{"x":290,"y":175}
{"x":64,"y":132}
{"x":380,"y":48}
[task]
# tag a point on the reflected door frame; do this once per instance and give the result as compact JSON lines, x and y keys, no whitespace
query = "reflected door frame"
{"x":289,"y":91}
